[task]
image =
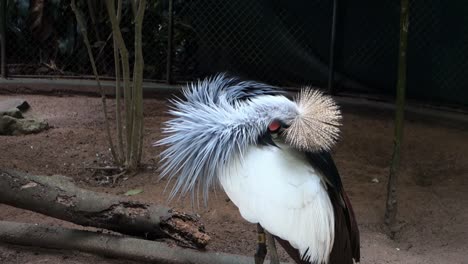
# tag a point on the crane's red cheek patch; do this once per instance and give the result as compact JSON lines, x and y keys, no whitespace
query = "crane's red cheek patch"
{"x":273,"y":126}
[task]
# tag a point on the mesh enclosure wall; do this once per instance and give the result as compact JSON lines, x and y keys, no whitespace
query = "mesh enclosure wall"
{"x":281,"y":42}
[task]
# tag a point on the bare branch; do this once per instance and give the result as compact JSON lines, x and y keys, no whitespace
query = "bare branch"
{"x":58,"y":197}
{"x":110,"y":245}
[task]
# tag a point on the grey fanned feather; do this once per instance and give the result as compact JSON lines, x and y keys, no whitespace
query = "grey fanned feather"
{"x":232,"y":89}
{"x":222,"y":116}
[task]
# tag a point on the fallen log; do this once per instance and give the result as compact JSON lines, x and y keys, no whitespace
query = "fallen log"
{"x":58,"y":197}
{"x":110,"y":245}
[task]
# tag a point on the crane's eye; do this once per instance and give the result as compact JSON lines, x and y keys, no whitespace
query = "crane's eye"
{"x":274,"y":126}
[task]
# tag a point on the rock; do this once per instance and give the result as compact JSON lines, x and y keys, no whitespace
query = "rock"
{"x":29,"y":126}
{"x":14,"y":126}
{"x":5,"y":124}
{"x":19,"y":103}
{"x":11,"y":118}
{"x":13,"y":112}
{"x":13,"y":107}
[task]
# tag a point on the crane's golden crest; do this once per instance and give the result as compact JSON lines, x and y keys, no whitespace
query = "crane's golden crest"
{"x":316,"y":127}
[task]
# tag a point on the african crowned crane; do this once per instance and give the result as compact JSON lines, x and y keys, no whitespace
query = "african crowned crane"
{"x":271,"y":156}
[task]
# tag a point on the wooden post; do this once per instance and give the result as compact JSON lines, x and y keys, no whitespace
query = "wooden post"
{"x":392,"y":201}
{"x":170,"y":39}
{"x":3,"y":8}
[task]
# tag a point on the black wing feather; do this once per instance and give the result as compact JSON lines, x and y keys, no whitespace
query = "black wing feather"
{"x":347,"y":245}
{"x":323,"y":162}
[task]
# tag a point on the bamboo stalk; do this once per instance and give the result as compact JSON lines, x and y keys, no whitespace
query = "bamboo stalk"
{"x":392,"y":199}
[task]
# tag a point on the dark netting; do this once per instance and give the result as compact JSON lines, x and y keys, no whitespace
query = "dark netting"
{"x":265,"y":40}
{"x":44,"y":41}
{"x":438,"y":51}
{"x":280,"y":42}
{"x":47,"y":41}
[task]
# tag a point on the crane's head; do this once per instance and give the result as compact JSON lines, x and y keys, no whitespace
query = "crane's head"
{"x":221,"y":117}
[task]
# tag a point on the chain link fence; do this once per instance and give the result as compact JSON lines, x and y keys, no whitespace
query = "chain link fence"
{"x":282,"y":43}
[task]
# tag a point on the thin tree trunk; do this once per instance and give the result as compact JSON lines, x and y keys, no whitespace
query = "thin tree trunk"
{"x":118,"y":91}
{"x":170,"y":40}
{"x":392,"y":199}
{"x":92,"y":15}
{"x":58,"y":197}
{"x":110,"y":245}
{"x":3,"y":7}
{"x":110,"y":5}
{"x":81,"y":24}
{"x":126,"y":155}
{"x":137,"y":106}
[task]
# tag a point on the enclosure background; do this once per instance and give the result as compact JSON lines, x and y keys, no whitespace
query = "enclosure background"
{"x":280,"y":42}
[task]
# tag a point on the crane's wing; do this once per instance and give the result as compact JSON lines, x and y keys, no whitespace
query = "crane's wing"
{"x":345,"y":247}
{"x":346,"y":230}
{"x":279,"y":189}
{"x":285,"y":192}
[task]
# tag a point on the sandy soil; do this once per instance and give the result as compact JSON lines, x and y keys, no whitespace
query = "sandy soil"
{"x":433,"y":197}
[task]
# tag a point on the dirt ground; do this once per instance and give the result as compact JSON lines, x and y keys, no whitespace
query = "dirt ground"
{"x":432,"y":192}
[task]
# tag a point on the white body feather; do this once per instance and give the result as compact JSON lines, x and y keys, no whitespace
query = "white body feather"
{"x":277,"y":188}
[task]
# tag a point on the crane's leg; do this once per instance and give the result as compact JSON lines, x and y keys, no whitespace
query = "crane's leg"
{"x":263,"y":239}
{"x":272,"y":248}
{"x":261,"y":245}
